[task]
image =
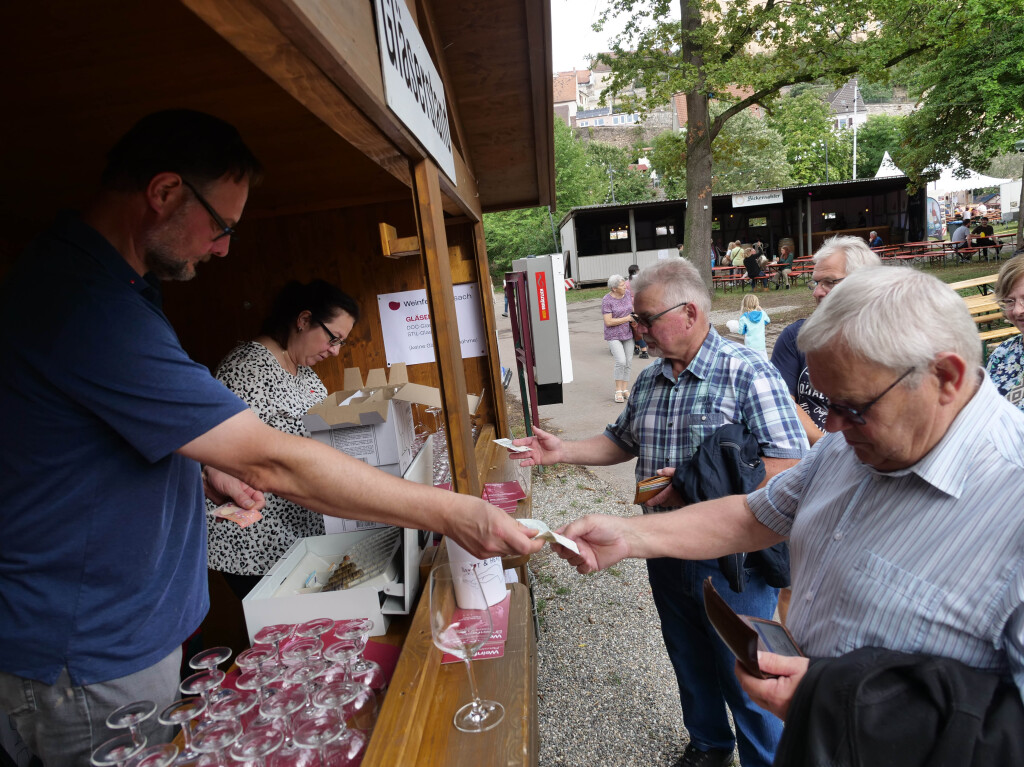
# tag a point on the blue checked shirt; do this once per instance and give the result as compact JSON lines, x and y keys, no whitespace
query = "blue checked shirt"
{"x":928,"y":559}
{"x":666,"y":419}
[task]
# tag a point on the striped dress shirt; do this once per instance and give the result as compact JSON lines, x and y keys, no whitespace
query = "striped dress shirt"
{"x":928,"y":559}
{"x":666,"y":418}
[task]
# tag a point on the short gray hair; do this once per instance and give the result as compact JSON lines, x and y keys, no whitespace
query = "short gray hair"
{"x":681,"y":281}
{"x":858,"y":254}
{"x":896,"y":317}
{"x":615,"y":281}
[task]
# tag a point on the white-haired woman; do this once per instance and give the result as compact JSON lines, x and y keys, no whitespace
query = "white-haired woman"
{"x":1006,"y":365}
{"x":617,"y":306}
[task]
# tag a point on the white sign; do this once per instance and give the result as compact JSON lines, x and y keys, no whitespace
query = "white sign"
{"x":412,"y":86}
{"x":756,"y":198}
{"x":405,"y":322}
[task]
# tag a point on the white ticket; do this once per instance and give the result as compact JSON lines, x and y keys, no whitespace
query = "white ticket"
{"x":505,"y":442}
{"x":549,"y":535}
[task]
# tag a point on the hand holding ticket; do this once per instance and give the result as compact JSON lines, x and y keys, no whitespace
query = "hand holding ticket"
{"x":504,"y":442}
{"x":547,"y":534}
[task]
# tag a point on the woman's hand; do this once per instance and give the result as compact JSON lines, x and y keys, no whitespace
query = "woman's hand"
{"x":221,"y":488}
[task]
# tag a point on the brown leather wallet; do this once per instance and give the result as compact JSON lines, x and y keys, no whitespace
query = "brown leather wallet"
{"x":650,"y":487}
{"x":745,"y":635}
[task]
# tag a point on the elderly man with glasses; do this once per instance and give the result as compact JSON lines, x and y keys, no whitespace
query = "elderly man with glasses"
{"x":838,"y":257}
{"x":704,"y":382}
{"x":905,"y":519}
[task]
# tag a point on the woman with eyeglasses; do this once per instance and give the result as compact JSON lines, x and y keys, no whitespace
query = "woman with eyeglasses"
{"x":273,"y":374}
{"x":1005,"y":365}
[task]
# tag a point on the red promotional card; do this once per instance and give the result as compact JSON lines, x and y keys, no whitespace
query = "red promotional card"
{"x":512,"y":489}
{"x":495,"y":646}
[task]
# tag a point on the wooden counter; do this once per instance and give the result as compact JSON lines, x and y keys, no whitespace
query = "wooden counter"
{"x":415,"y":724}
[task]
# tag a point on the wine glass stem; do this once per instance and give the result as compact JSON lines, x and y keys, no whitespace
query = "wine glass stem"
{"x":134,"y":730}
{"x":472,"y":682}
{"x":186,"y":736}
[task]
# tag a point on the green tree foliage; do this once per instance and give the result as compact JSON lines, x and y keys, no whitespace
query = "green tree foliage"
{"x":707,"y":47}
{"x":973,"y":108}
{"x":581,"y":178}
{"x":815,"y":150}
{"x":747,"y":155}
{"x":880,"y":134}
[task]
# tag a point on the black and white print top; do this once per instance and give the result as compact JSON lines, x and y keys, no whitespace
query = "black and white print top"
{"x":280,"y":400}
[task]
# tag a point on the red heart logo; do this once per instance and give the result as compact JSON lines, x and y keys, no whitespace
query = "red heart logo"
{"x":394,"y":306}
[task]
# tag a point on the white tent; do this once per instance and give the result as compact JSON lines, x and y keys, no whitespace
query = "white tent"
{"x":887,"y":168}
{"x":948,"y":182}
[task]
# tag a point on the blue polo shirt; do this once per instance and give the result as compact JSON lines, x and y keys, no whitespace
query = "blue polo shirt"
{"x":102,"y":526}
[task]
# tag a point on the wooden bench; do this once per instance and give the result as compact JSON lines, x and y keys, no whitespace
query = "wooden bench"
{"x":983,"y":284}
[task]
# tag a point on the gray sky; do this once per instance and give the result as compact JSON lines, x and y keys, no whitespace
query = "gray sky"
{"x":573,"y":39}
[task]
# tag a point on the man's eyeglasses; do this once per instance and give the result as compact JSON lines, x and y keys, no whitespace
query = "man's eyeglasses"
{"x":335,"y":340}
{"x":648,"y":321}
{"x":827,"y":284}
{"x":856,"y":415}
{"x":225,"y":230}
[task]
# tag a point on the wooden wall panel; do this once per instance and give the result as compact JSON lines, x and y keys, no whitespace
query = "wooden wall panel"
{"x":227,"y":301}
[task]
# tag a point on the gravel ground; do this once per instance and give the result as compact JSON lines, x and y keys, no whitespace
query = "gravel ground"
{"x":606,"y":691}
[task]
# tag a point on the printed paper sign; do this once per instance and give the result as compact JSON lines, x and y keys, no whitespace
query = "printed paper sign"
{"x":405,"y":322}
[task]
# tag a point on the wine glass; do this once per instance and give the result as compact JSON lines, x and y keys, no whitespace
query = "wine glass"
{"x":254,"y":657}
{"x":462,"y":633}
{"x":155,"y":756}
{"x":116,"y":751}
{"x":235,"y":707}
{"x":335,"y":746}
{"x":210,"y":659}
{"x":274,"y":634}
{"x":353,"y":702}
{"x":441,"y":468}
{"x":202,"y":683}
{"x":301,"y":650}
{"x":212,"y":739}
{"x":255,"y":747}
{"x":315,"y":628}
{"x":340,"y":654}
{"x":130,"y":716}
{"x":181,"y":712}
{"x":281,"y":707}
{"x":259,"y":679}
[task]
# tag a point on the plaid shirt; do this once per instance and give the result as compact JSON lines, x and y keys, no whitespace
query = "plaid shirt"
{"x":666,"y":419}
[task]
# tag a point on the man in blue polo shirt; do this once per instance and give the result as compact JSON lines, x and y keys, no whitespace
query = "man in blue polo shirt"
{"x":106,"y":421}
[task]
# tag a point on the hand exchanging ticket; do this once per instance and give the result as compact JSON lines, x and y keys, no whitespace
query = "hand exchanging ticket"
{"x":545,"y":533}
{"x":505,"y":442}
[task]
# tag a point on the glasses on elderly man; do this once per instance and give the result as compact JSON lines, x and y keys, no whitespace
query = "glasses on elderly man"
{"x":651,"y":319}
{"x":225,"y":230}
{"x":335,"y":340}
{"x":827,"y":284}
{"x":856,"y":415}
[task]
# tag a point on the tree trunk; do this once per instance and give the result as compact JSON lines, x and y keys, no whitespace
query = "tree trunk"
{"x":697,"y":231}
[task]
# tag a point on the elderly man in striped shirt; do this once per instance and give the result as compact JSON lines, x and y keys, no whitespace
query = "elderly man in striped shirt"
{"x":905,"y":520}
{"x":704,"y":382}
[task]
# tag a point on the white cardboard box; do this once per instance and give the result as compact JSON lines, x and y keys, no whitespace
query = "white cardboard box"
{"x":278,"y":597}
{"x":372,"y":420}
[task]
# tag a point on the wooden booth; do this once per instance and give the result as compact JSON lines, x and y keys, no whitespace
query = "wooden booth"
{"x":351,"y":194}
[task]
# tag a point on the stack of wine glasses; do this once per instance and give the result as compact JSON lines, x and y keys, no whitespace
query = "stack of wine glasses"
{"x":305,"y":696}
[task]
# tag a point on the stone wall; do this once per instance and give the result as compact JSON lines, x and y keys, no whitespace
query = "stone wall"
{"x":625,"y":136}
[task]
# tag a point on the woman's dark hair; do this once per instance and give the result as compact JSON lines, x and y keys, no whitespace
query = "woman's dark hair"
{"x":321,"y":299}
{"x":197,"y":146}
{"x":633,"y":269}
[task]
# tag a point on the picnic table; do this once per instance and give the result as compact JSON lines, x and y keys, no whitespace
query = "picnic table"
{"x":983,"y":284}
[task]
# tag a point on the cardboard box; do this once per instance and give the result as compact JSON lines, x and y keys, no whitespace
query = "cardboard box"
{"x":280,"y":596}
{"x":372,"y":420}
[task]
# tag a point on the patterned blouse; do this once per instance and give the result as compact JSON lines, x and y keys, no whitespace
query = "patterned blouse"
{"x":1004,"y":367}
{"x":280,"y":400}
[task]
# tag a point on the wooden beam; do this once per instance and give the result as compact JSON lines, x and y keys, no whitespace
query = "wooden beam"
{"x":447,"y":345}
{"x":490,"y":331}
{"x":393,"y":246}
{"x":340,"y":39}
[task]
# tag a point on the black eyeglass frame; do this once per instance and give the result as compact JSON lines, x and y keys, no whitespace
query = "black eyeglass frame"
{"x":336,"y":341}
{"x":855,"y":415}
{"x":225,"y":230}
{"x":654,"y":317}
